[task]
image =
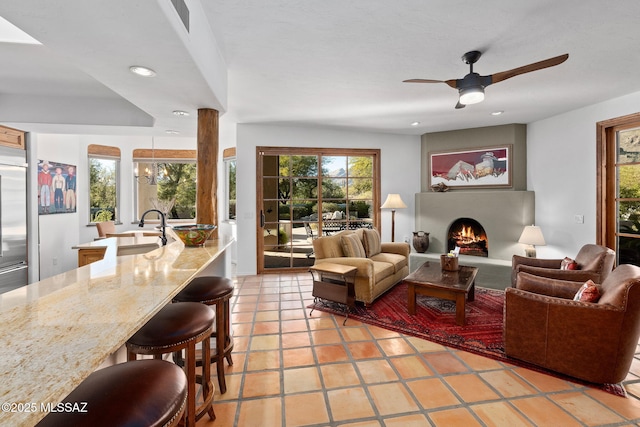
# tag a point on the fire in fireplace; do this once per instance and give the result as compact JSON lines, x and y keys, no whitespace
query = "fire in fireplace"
{"x":469,"y":235}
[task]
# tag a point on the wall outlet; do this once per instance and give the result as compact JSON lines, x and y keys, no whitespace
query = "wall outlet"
{"x":579,"y":219}
{"x":406,"y":239}
{"x":54,"y":260}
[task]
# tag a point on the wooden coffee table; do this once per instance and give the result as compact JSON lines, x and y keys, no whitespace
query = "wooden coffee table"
{"x":431,"y":280}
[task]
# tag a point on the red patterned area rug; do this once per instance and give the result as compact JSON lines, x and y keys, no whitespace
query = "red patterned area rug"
{"x":435,"y":321}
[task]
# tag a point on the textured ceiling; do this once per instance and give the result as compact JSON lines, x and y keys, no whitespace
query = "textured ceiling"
{"x":319,"y":63}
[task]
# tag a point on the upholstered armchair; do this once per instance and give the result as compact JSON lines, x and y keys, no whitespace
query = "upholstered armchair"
{"x":593,"y":341}
{"x":595,"y":262}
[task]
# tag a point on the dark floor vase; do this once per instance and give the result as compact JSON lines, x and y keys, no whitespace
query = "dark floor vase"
{"x":420,"y":241}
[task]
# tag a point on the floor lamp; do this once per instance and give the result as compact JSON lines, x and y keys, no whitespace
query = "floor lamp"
{"x":393,"y":202}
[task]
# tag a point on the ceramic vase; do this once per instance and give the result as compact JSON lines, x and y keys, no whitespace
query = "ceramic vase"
{"x":420,"y":241}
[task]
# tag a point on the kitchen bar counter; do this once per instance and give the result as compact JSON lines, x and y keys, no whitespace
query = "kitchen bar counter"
{"x":56,"y":332}
{"x":134,"y":244}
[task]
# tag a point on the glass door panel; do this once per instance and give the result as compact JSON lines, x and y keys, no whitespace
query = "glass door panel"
{"x":306,"y":196}
{"x":628,"y":197}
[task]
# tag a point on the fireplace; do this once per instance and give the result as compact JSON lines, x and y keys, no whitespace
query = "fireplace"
{"x":503,"y":215}
{"x":469,"y":235}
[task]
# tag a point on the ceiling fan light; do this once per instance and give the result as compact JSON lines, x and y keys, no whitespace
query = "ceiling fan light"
{"x":471,"y":95}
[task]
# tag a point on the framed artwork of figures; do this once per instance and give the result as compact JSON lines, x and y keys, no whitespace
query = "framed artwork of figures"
{"x":57,"y":192}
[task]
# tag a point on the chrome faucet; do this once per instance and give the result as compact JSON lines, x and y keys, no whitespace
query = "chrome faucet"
{"x":163,"y":224}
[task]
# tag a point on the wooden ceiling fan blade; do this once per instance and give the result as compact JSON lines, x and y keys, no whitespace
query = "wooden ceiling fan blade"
{"x":422,"y":81}
{"x":452,"y":82}
{"x":504,"y":75}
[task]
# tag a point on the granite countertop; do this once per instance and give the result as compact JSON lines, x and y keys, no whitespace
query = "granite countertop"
{"x":55,"y":332}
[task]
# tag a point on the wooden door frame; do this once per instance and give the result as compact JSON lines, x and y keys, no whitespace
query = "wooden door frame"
{"x":262,"y":151}
{"x":606,"y":215}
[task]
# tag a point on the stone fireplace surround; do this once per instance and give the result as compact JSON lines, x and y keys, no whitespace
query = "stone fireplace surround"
{"x":503,"y":214}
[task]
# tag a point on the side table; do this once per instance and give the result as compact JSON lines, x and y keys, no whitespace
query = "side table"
{"x":334,"y":282}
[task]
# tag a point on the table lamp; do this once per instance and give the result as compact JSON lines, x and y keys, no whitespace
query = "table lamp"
{"x":531,"y":236}
{"x":393,"y":202}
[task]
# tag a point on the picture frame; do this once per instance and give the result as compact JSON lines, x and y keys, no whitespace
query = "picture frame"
{"x":57,"y":191}
{"x":482,"y":167}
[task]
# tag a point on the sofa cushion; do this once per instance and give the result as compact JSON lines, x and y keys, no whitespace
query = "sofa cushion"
{"x":371,"y":241}
{"x":589,"y":292}
{"x":352,"y":246}
{"x":398,"y":261}
{"x":568,"y":264}
{"x":382,"y":270}
{"x":328,"y":247}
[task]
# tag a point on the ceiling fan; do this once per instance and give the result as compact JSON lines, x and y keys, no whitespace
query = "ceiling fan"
{"x":471,"y":87}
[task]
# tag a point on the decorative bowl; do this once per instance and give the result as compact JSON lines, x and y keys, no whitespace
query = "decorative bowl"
{"x":194,"y":234}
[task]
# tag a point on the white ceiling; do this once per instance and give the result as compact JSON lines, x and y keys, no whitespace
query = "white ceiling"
{"x":319,"y":63}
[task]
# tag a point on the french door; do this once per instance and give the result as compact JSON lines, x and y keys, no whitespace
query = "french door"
{"x":304,"y":193}
{"x":619,"y":187}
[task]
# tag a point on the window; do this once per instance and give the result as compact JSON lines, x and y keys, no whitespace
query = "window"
{"x":229,"y":157}
{"x":165,"y":180}
{"x":619,"y":187}
{"x":104,"y":178}
{"x":305,"y":193}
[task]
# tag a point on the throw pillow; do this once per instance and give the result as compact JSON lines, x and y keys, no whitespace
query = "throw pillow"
{"x":568,"y":264}
{"x":589,"y":292}
{"x":352,"y":246}
{"x":371,"y":240}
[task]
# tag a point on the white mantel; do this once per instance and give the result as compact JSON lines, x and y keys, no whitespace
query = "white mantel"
{"x":503,"y":214}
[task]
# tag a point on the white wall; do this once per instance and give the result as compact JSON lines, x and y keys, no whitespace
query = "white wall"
{"x":561,"y":159}
{"x":400,"y":173}
{"x":56,"y":234}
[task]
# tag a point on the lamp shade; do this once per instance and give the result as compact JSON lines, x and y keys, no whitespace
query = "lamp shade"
{"x":394,"y":201}
{"x":471,"y":95}
{"x":532,"y":235}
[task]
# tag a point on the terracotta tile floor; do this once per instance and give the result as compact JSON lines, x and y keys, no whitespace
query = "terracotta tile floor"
{"x":293,"y":369}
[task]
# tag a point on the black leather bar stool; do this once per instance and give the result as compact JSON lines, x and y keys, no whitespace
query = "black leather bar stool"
{"x":214,"y":291}
{"x":140,"y":393}
{"x":174,"y":328}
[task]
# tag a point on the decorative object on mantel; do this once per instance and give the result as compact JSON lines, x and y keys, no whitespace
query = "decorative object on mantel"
{"x":531,"y":236}
{"x":480,"y":167}
{"x":420,"y":241}
{"x":393,"y":202}
{"x":440,"y":187}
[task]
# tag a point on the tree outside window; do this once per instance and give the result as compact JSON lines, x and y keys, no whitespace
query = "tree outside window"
{"x":103,"y":189}
{"x":174,"y":189}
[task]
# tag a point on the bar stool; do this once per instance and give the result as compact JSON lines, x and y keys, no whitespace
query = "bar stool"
{"x":140,"y":393}
{"x":174,"y":328}
{"x":214,"y":291}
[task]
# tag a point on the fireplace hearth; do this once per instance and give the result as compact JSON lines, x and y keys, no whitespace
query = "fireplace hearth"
{"x":469,"y":235}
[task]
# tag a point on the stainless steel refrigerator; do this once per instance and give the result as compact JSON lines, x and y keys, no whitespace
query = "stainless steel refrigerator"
{"x":13,"y":219}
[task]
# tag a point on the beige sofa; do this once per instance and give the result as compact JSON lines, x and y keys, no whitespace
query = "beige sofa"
{"x":380,"y":265}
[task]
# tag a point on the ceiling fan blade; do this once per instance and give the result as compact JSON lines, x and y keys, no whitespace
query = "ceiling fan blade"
{"x":453,"y":82}
{"x":459,"y":106}
{"x":504,"y":75}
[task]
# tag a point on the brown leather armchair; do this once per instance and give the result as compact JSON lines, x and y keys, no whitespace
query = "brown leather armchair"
{"x":595,"y":342}
{"x":595,"y":262}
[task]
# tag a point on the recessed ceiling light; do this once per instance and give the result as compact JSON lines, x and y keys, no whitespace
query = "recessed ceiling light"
{"x":142,"y":71}
{"x":172,"y":132}
{"x":496,"y":113}
{"x":415,"y":123}
{"x":180,"y":113}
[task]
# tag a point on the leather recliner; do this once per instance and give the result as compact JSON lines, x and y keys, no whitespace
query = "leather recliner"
{"x":595,"y":342}
{"x":595,"y":262}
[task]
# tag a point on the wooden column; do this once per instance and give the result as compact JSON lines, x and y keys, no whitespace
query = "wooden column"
{"x":207,"y":166}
